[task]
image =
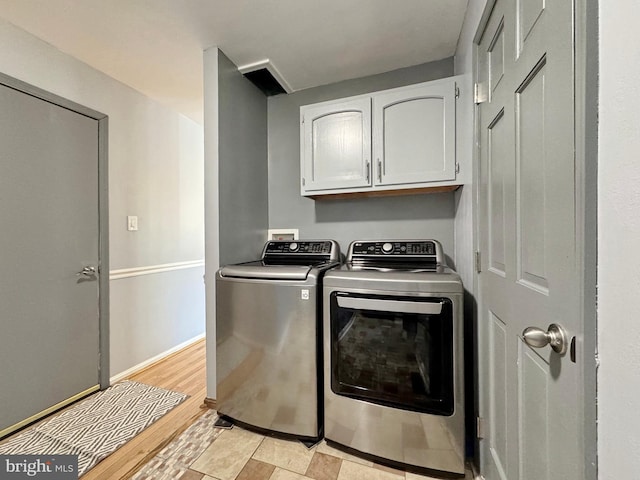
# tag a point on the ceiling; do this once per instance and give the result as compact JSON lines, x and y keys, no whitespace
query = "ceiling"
{"x":155,"y":46}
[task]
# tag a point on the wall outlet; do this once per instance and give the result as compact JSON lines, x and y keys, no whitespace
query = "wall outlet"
{"x":132,"y":223}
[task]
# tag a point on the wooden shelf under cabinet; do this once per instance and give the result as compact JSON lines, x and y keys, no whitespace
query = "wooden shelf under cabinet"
{"x":385,"y":193}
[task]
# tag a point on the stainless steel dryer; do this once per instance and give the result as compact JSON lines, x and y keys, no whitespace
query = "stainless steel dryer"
{"x":269,"y":351}
{"x":393,"y":355}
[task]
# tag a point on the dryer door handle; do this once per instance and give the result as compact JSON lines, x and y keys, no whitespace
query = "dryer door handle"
{"x":399,"y":306}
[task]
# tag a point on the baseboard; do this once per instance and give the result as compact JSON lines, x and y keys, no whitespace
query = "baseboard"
{"x":210,"y":403}
{"x":161,"y":356}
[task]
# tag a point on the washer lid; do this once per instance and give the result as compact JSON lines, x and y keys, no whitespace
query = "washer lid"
{"x":268,"y":272}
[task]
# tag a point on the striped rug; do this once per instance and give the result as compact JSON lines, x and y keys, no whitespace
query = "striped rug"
{"x":97,"y":426}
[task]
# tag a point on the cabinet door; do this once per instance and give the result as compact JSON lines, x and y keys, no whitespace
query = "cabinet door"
{"x":336,"y":145}
{"x":414,"y":134}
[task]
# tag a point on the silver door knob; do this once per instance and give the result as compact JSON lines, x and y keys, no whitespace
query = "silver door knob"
{"x":555,"y":336}
{"x":87,"y":272}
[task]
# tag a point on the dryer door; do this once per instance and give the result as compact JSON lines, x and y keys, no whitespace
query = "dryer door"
{"x":393,"y":350}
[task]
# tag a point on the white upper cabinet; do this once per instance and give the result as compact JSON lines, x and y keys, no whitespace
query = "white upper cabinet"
{"x":393,"y":140}
{"x":414,"y":134}
{"x":336,"y":145}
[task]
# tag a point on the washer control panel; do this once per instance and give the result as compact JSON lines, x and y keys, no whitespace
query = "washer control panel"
{"x":299,"y":247}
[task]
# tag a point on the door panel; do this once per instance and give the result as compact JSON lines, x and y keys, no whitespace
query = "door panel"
{"x":527,"y":223}
{"x":49,"y":213}
{"x":496,"y":56}
{"x":336,"y":141}
{"x":497,"y":145}
{"x":498,"y":383}
{"x":410,"y":129}
{"x":414,"y":134}
{"x":534,"y":412}
{"x":531,"y":181}
{"x":529,"y":11}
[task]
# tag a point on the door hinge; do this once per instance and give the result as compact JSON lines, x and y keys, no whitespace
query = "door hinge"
{"x":303,"y":182}
{"x":457,"y":167}
{"x":480,"y":93}
{"x":480,"y":428}
{"x":478,"y":262}
{"x":457,"y":91}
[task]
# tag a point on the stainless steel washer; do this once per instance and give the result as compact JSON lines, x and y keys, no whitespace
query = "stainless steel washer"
{"x":393,"y":355}
{"x":268,"y":356}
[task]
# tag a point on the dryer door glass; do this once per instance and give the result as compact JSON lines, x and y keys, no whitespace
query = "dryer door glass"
{"x":393,"y":350}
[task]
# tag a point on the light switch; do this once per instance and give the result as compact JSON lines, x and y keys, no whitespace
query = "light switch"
{"x":132,"y":223}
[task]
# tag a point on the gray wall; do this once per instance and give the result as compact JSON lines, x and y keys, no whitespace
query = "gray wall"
{"x":346,"y":220}
{"x":236,"y":187}
{"x":466,"y":235}
{"x":242,"y":137}
{"x":211,"y":207}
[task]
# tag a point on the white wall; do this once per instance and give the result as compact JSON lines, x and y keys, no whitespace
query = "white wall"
{"x":619,"y":241}
{"x":155,"y":172}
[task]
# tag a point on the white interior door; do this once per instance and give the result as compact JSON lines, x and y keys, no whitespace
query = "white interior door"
{"x":49,"y":345}
{"x":528,"y":237}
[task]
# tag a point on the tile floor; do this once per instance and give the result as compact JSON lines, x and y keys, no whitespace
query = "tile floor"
{"x":203,"y":452}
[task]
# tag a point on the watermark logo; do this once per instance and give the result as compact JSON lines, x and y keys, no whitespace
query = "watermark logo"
{"x":50,"y":467}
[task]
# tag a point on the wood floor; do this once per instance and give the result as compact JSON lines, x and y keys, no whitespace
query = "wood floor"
{"x":185,"y":372}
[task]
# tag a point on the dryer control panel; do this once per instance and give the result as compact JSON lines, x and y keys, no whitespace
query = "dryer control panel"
{"x":404,"y":250}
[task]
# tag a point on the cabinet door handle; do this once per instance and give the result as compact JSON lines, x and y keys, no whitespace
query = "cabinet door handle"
{"x":368,"y":171}
{"x":379,"y":171}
